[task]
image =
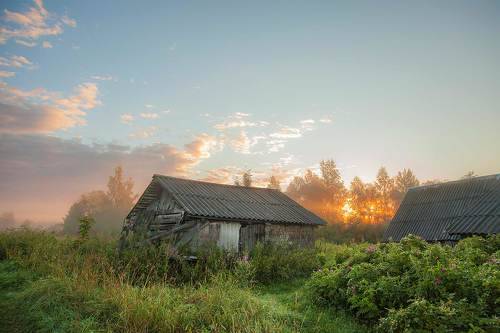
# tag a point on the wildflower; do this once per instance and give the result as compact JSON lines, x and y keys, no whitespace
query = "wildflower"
{"x":437,"y":281}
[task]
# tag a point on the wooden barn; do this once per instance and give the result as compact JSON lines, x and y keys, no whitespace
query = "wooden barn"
{"x":191,"y":213}
{"x":448,"y":212}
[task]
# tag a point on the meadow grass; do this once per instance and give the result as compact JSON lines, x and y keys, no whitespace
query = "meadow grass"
{"x":62,"y":284}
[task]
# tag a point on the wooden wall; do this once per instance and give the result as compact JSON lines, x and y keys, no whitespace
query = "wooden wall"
{"x":234,"y":236}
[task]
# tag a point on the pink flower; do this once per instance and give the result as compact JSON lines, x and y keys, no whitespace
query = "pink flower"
{"x":371,"y":249}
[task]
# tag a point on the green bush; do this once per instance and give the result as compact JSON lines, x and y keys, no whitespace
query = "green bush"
{"x":397,"y":284}
{"x":271,"y":262}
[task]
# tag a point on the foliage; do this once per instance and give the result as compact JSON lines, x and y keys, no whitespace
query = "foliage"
{"x":369,"y":203}
{"x":323,"y":194}
{"x":108,"y":209}
{"x":272,"y":262}
{"x":86,"y":223}
{"x":402,"y":182}
{"x":274,"y":183}
{"x":414,"y":284}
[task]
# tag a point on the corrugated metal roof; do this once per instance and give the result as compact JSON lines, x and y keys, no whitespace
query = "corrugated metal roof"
{"x":447,"y":211}
{"x":217,"y":201}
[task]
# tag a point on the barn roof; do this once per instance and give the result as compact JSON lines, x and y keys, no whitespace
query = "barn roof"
{"x":228,"y":202}
{"x":447,"y":211}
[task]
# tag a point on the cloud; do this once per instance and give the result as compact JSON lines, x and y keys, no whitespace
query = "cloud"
{"x":240,"y":115}
{"x":42,"y":111}
{"x":275,"y":145}
{"x":47,"y":45}
{"x":286,"y":132}
{"x":222,"y":175}
{"x":25,"y":43}
{"x":102,"y":77}
{"x":26,"y":27}
{"x":202,"y":147}
{"x":15,"y":61}
{"x":43,"y":175}
{"x":126,"y":118}
{"x":326,"y":120}
{"x":149,"y":106}
{"x":149,"y":115}
{"x":241,"y":144}
{"x":144,"y":133}
{"x":68,"y":21}
{"x":4,"y":74}
{"x":236,"y":120}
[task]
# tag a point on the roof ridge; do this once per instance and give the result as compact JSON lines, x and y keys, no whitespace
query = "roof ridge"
{"x":492,"y":176}
{"x":218,"y":184}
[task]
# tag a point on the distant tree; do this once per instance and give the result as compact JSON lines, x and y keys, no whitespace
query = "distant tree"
{"x":7,"y":220}
{"x":120,"y":190}
{"x":469,"y":175}
{"x":295,"y":187}
{"x":108,"y":209}
{"x":357,"y":195}
{"x":402,"y":182}
{"x":274,"y":183}
{"x":246,"y":179}
{"x":331,"y":175}
{"x":385,"y":188}
{"x":364,"y":201}
{"x":94,"y":204}
{"x":335,"y":189}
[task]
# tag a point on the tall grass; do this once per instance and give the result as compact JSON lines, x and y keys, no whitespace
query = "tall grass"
{"x":68,"y":285}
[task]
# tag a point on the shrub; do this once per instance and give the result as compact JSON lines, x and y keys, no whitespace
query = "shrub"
{"x":274,"y":261}
{"x":399,"y":284}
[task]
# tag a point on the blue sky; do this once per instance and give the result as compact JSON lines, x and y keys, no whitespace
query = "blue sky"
{"x":207,"y":89}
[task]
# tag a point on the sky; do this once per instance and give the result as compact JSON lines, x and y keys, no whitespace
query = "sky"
{"x":205,"y":90}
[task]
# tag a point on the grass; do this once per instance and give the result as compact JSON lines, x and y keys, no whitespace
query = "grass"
{"x":50,"y":284}
{"x":288,"y":298}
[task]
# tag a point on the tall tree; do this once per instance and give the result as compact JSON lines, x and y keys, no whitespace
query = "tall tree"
{"x":108,"y":209}
{"x":402,"y":182}
{"x":120,"y":189}
{"x":246,"y":179}
{"x":364,"y":201}
{"x":331,"y":175}
{"x":295,"y":187}
{"x":385,"y":188}
{"x":274,"y":183}
{"x":335,"y":189}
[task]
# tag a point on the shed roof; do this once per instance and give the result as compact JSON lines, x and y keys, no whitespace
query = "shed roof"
{"x":228,"y":202}
{"x":447,"y":211}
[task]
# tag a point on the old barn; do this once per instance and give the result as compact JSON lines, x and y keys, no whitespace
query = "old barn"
{"x":192,"y":213}
{"x":448,"y":212}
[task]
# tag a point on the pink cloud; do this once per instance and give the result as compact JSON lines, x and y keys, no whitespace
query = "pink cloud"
{"x":43,"y":175}
{"x":15,"y":61}
{"x":36,"y":22}
{"x":42,"y":111}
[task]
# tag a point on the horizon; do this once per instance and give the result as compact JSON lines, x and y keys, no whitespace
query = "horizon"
{"x":209,"y":91}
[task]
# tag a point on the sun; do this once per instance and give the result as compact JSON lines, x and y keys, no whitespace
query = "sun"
{"x":347,"y":209}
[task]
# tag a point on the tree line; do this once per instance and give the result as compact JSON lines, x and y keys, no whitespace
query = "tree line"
{"x":327,"y":195}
